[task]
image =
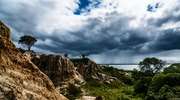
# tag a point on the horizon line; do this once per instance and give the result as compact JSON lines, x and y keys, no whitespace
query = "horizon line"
{"x":130,"y":63}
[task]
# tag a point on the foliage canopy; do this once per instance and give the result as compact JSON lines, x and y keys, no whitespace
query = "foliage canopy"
{"x":27,"y":40}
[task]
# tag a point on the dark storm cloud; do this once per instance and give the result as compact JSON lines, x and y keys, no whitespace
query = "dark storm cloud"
{"x":98,"y":36}
{"x":167,"y":40}
{"x":165,"y":20}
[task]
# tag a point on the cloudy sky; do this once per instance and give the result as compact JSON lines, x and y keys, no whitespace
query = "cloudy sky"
{"x":108,"y":31}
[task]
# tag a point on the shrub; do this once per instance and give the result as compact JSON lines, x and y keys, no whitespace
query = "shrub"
{"x":166,"y":92}
{"x":137,"y":75}
{"x":123,"y":97}
{"x":170,"y":79}
{"x":142,"y":85}
{"x":162,"y":86}
{"x":73,"y":92}
{"x":115,"y":84}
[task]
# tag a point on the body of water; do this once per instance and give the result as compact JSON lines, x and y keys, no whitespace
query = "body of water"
{"x":125,"y":67}
{"x":128,"y":67}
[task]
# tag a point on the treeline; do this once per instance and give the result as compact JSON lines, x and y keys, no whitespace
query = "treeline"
{"x":154,"y":82}
{"x":151,"y":81}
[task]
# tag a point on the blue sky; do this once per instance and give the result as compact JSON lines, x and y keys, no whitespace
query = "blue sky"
{"x":83,"y":4}
{"x":108,"y":31}
{"x":86,"y":5}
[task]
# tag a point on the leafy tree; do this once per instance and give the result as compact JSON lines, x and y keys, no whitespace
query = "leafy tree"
{"x":136,"y":75}
{"x":170,"y":79}
{"x":164,"y":87}
{"x":27,"y":40}
{"x":166,"y":92}
{"x":141,"y":86}
{"x":151,"y":66}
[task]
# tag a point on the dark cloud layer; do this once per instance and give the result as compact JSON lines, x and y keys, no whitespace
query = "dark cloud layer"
{"x":167,"y":40}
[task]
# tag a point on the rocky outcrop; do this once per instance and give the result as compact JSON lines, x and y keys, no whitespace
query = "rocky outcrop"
{"x":91,"y":71}
{"x":87,"y":68}
{"x":59,"y":69}
{"x":20,"y":79}
{"x":62,"y":73}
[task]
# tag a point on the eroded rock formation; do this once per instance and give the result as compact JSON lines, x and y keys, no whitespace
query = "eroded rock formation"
{"x":20,"y":79}
{"x":91,"y":71}
{"x":59,"y":69}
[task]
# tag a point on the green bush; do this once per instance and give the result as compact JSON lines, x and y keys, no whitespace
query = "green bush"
{"x":165,"y":93}
{"x":138,"y":75}
{"x":142,"y":85}
{"x":115,"y":84}
{"x":163,"y":87}
{"x":73,"y":92}
{"x":123,"y":97}
{"x":170,"y":79}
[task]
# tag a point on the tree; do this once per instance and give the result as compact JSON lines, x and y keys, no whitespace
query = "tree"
{"x":151,"y":65}
{"x":83,"y":56}
{"x":27,"y":40}
{"x":142,"y":85}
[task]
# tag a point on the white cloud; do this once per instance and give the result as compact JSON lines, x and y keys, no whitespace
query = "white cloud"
{"x":60,"y":17}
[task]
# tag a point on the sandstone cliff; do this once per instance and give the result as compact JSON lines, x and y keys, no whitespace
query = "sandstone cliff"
{"x":20,"y":79}
{"x":62,"y":73}
{"x":59,"y":69}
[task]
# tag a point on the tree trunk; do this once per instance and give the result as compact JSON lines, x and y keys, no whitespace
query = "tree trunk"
{"x":29,"y":48}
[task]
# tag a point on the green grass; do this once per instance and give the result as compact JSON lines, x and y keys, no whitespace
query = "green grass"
{"x":109,"y":92}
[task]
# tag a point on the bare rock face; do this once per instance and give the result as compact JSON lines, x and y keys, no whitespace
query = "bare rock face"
{"x":87,"y":68}
{"x":62,"y":73}
{"x":59,"y":69}
{"x":20,"y":79}
{"x":91,"y":71}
